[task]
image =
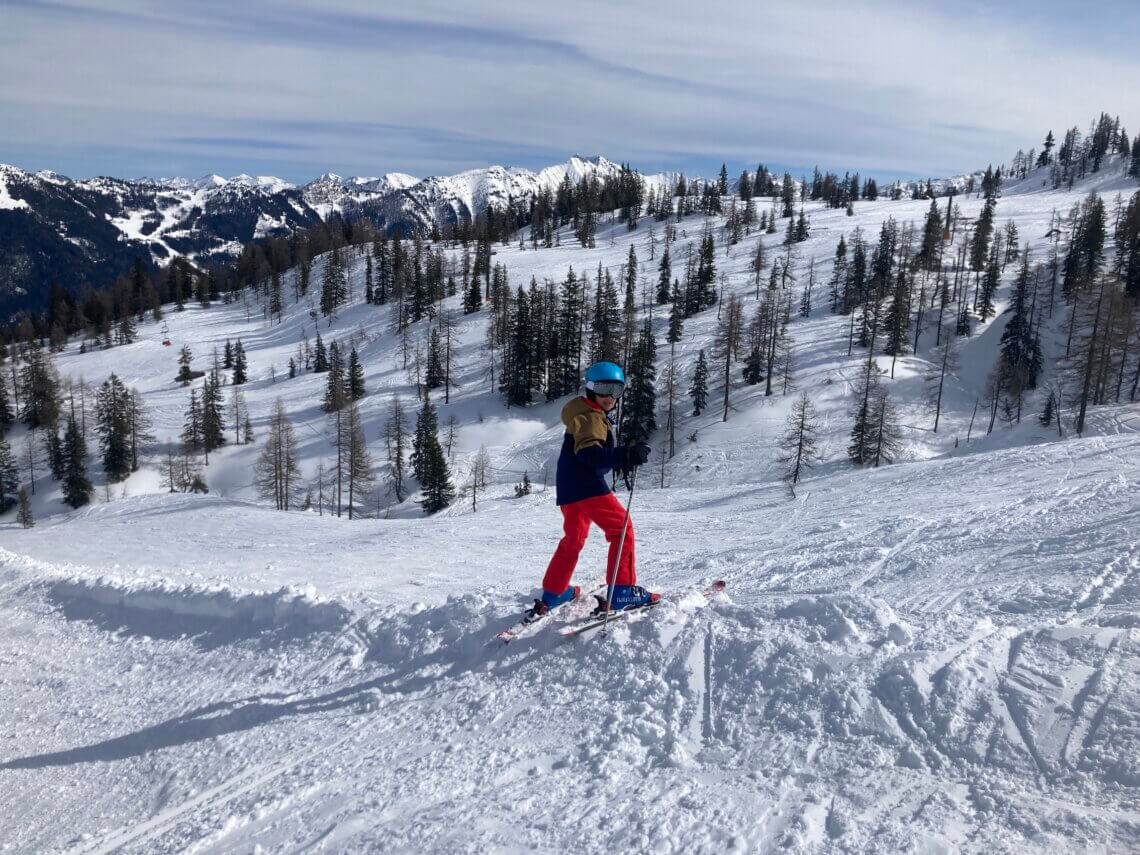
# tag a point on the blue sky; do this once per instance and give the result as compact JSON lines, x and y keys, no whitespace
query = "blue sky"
{"x":293,"y":89}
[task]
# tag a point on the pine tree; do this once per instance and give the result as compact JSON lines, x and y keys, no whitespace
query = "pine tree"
{"x":192,"y":427}
{"x":383,"y":255}
{"x":24,"y":515}
{"x":728,"y":342}
{"x":699,"y":391}
{"x":125,"y":330}
{"x":358,"y":460}
{"x":932,"y":233}
{"x":754,"y":366}
{"x":802,"y":227}
{"x":40,"y":390}
{"x":334,"y":397}
{"x":676,"y":316}
{"x":395,"y":440}
{"x":605,"y":323}
{"x":184,"y":359}
{"x":1050,"y":411}
{"x":664,"y":278}
{"x":837,"y":285}
{"x":991,"y":279}
{"x":320,"y":358}
{"x":53,"y":446}
{"x":7,"y":417}
{"x":980,"y":248}
{"x":1045,"y":158}
{"x":631,"y":270}
{"x":805,"y":297}
{"x":355,"y":380}
{"x":945,"y":364}
{"x":212,"y":415}
{"x":706,"y":273}
{"x":991,"y":184}
{"x":429,"y":463}
{"x":639,"y":404}
{"x":521,"y":368}
{"x":240,"y":367}
{"x":1020,"y":353}
{"x":896,"y":320}
{"x":77,"y":487}
{"x":427,"y":425}
{"x":9,"y":476}
{"x":112,"y":414}
{"x":228,"y":356}
{"x":567,"y":345}
{"x":334,"y":284}
{"x":1086,"y":248}
{"x":438,"y":489}
{"x":202,"y":289}
{"x":239,"y":412}
{"x":788,"y":196}
{"x":1127,"y":256}
{"x":629,"y":322}
{"x":433,"y":376}
{"x":138,"y":425}
{"x":276,"y":300}
{"x":472,"y":296}
{"x":861,"y":449}
{"x":277,"y":474}
{"x":885,"y":430}
{"x":799,"y":447}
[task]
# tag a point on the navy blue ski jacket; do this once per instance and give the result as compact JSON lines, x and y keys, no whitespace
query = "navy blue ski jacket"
{"x":588,"y":452}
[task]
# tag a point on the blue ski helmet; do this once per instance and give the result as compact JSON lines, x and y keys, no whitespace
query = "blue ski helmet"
{"x":606,"y":374}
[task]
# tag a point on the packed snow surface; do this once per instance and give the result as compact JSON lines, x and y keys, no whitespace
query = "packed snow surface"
{"x":934,"y":656}
{"x":941,"y":655}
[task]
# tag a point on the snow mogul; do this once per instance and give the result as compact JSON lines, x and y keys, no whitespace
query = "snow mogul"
{"x":589,"y":453}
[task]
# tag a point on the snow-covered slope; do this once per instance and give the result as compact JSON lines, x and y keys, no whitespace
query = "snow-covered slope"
{"x":949,"y":667}
{"x":939,"y":655}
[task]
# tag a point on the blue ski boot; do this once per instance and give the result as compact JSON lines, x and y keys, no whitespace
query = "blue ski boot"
{"x":628,"y":596}
{"x":550,"y":601}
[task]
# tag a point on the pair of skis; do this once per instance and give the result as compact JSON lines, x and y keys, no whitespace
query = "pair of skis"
{"x":530,"y":625}
{"x":594,"y":620}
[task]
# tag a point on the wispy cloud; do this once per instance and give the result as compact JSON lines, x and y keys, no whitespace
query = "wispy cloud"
{"x":239,"y":142}
{"x":297,"y":88}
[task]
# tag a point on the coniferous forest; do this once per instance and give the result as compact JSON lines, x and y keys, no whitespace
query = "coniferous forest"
{"x":908,"y":286}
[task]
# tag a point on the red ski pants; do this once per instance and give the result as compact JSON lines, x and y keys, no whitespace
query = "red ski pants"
{"x":607,"y":513}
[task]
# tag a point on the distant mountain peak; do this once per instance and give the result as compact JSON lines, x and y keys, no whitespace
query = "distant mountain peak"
{"x":111,"y":221}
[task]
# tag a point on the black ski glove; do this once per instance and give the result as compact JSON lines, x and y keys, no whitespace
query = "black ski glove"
{"x":636,"y":455}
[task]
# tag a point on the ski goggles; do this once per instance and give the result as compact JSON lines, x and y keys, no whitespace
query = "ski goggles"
{"x":611,"y":388}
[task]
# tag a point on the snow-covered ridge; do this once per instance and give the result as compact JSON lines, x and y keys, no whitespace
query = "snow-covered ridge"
{"x":213,"y":215}
{"x":183,"y":608}
{"x":7,"y":203}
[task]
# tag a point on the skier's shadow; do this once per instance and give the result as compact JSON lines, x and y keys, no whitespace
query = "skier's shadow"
{"x":414,"y":678}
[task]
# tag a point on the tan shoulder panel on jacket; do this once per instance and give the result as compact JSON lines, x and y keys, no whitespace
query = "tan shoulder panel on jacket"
{"x":590,"y":428}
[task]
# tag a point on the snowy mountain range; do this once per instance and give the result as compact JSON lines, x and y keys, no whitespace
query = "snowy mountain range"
{"x":55,"y":229}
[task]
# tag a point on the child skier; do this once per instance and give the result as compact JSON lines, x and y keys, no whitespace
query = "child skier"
{"x":588,"y":454}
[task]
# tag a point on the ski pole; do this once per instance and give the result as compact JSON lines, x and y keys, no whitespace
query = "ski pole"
{"x":617,"y":557}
